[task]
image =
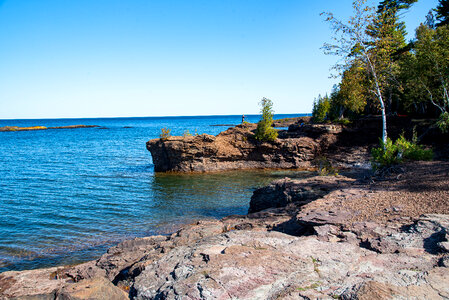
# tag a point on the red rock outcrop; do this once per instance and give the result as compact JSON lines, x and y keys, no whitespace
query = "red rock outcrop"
{"x":236,"y":148}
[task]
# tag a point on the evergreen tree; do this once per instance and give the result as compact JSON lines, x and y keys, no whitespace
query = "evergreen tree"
{"x":321,"y":107}
{"x":354,"y":88}
{"x":264,"y":131}
{"x":428,"y":69}
{"x":442,"y":13}
{"x":389,"y":32}
{"x":387,"y":23}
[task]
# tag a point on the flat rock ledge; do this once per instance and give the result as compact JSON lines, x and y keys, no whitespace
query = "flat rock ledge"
{"x":236,"y":148}
{"x":214,"y":260}
{"x":321,"y":249}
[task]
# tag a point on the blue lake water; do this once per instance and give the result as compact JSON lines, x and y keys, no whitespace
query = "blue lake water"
{"x":67,"y":195}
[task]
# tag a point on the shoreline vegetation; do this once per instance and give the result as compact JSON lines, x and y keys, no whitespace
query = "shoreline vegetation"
{"x":31,"y":128}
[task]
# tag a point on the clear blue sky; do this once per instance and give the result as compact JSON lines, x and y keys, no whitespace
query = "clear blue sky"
{"x":98,"y":58}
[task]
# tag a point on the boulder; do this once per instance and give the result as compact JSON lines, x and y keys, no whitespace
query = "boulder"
{"x":282,"y":192}
{"x":37,"y":284}
{"x":93,"y":289}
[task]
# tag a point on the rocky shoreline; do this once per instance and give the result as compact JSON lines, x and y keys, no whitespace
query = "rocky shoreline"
{"x":302,"y":146}
{"x":324,"y":237}
{"x":236,"y":149}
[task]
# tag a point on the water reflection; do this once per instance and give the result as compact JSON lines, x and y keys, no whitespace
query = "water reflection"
{"x":212,"y":194}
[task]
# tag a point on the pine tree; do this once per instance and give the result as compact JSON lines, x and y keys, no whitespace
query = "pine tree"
{"x":387,"y":23}
{"x":264,"y":131}
{"x":442,"y":13}
{"x":389,"y":32}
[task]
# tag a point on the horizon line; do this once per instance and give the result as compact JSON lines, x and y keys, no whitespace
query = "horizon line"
{"x":166,"y":116}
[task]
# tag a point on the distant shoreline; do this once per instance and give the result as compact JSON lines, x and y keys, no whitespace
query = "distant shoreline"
{"x":153,"y":117}
{"x":17,"y":128}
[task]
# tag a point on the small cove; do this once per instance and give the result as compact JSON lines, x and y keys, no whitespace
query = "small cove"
{"x":67,"y":195}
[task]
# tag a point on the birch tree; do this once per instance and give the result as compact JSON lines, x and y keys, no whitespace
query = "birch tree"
{"x":352,"y":42}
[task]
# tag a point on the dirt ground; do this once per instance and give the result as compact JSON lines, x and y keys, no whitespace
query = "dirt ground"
{"x":416,"y":188}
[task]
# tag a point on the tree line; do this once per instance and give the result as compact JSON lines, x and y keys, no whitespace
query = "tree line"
{"x":383,"y":73}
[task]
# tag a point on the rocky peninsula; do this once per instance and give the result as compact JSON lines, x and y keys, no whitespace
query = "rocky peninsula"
{"x":17,"y":128}
{"x":236,"y":148}
{"x":357,"y":236}
{"x":299,"y":147}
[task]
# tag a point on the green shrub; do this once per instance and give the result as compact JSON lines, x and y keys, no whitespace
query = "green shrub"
{"x":324,"y":167}
{"x":264,"y":131}
{"x":394,"y":153}
{"x":186,"y":133}
{"x":321,"y":108}
{"x":165,"y":134}
{"x":343,"y":121}
{"x":385,"y":155}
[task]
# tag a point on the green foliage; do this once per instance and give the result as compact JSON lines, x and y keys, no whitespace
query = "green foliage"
{"x":264,"y":131}
{"x":165,"y":134}
{"x":342,"y":121}
{"x":314,"y":285}
{"x":364,"y":42}
{"x":321,"y":108}
{"x":380,"y":72}
{"x":324,"y":167}
{"x":186,"y":133}
{"x":395,"y":4}
{"x":353,"y":91}
{"x":427,"y":69}
{"x":443,"y":122}
{"x":390,"y":153}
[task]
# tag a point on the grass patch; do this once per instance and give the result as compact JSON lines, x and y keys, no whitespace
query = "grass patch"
{"x":309,"y":287}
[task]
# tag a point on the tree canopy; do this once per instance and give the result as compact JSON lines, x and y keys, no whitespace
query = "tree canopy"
{"x":383,"y":73}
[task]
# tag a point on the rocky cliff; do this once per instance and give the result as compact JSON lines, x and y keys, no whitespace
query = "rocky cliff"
{"x":236,"y":148}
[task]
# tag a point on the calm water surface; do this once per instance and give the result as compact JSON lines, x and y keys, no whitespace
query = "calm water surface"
{"x":66,"y":195}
